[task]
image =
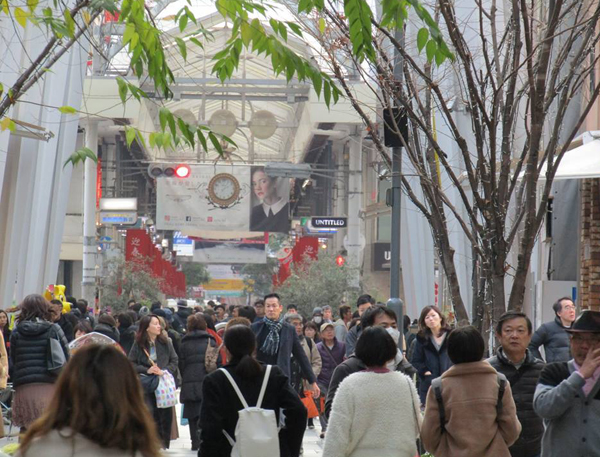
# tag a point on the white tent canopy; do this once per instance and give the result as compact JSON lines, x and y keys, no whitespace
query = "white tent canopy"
{"x":579,"y":163}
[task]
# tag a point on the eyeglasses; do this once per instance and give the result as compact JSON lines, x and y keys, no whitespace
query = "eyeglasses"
{"x":568,"y":307}
{"x":579,"y":339}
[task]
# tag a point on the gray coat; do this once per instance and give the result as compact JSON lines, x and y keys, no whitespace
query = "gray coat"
{"x":555,"y":339}
{"x":570,"y":418}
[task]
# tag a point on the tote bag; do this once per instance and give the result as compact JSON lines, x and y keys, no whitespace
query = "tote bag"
{"x":166,"y":391}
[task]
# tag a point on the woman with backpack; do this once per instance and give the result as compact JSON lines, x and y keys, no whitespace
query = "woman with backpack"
{"x":198,"y":357}
{"x":32,"y":353}
{"x":152,"y":354}
{"x":470,"y":410}
{"x":222,"y":406}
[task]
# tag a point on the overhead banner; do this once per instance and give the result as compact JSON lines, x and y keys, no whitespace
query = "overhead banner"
{"x":237,"y":250}
{"x":223,"y":198}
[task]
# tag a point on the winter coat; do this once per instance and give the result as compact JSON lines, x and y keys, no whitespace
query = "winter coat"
{"x":331,"y":359}
{"x":522,"y":383}
{"x":108,"y":330}
{"x":3,"y":364}
{"x":126,"y":338}
{"x":555,"y":339}
{"x":472,"y":426}
{"x":289,"y":344}
{"x":313,"y":355}
{"x":57,"y":443}
{"x":67,"y":327}
{"x":427,"y":358}
{"x":220,"y":406}
{"x":166,"y":358}
{"x":352,"y":338}
{"x":180,"y":319}
{"x":192,"y":365}
{"x":570,"y":417}
{"x":29,"y":351}
{"x":353,"y":365}
{"x":379,"y":421}
{"x":341,"y":330}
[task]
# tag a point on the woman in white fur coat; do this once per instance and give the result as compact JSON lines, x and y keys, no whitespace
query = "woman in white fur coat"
{"x":375,"y":412}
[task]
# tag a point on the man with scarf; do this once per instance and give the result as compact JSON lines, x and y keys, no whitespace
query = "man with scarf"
{"x":277,"y":340}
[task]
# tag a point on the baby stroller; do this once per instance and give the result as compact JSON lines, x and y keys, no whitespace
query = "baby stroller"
{"x":6,"y":396}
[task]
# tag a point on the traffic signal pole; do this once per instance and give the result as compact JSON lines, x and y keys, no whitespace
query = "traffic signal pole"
{"x":395,"y":302}
{"x":90,"y":249}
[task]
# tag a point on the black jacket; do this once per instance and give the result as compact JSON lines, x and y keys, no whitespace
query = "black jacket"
{"x":166,"y":358}
{"x":191,"y":364}
{"x":522,"y":383}
{"x":127,"y":338}
{"x":180,"y":319}
{"x":427,"y":358}
{"x":289,"y":344}
{"x":353,"y":365}
{"x":67,"y":327}
{"x":220,"y":406}
{"x":29,"y":352}
{"x":107,"y":330}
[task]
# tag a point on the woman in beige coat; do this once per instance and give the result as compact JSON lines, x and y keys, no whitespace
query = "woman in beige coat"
{"x":474,"y":422}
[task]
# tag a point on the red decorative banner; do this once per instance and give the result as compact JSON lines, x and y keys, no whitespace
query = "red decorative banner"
{"x":138,"y":245}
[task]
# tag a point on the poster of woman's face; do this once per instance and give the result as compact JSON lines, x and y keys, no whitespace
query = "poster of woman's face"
{"x":270,"y":202}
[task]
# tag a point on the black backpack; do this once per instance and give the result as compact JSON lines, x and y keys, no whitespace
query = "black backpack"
{"x":436,"y":385}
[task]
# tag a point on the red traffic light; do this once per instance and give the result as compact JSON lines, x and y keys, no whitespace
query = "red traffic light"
{"x":340,"y":261}
{"x":182,"y":171}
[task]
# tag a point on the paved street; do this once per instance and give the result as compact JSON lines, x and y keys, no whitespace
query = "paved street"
{"x":313,"y":445}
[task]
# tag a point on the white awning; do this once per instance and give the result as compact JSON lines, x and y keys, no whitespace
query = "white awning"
{"x":579,"y":163}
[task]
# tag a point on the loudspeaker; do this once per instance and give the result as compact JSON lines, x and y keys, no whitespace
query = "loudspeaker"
{"x":391,"y":137}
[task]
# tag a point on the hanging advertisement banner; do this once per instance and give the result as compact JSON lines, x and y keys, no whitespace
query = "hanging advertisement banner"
{"x":223,"y":198}
{"x":238,"y":250}
{"x":138,"y":245}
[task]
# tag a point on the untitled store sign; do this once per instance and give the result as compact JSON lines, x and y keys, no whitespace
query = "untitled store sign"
{"x":329,"y":222}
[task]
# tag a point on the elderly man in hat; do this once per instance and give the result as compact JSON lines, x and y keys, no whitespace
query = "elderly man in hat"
{"x":567,"y":396}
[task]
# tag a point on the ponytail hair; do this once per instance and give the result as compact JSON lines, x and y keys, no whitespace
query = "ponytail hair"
{"x":241,"y":343}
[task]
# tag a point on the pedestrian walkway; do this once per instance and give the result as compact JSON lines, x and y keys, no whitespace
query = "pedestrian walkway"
{"x":181,"y":447}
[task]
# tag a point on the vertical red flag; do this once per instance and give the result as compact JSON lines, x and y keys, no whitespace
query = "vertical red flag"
{"x":138,"y":245}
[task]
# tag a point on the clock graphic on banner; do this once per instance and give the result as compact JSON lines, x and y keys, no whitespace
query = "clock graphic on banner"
{"x":224,"y":190}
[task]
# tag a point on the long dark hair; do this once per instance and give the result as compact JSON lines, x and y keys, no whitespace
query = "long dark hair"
{"x":241,"y":343}
{"x":7,"y":325}
{"x":141,"y":337}
{"x":33,"y":307}
{"x":107,"y":409}
{"x":425,"y":331}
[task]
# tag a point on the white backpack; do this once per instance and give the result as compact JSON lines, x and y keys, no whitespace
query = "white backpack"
{"x":256,"y":432}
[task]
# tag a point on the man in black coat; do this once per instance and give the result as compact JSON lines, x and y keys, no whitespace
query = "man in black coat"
{"x":522,"y":370}
{"x":277,"y":340}
{"x":378,"y":315}
{"x":180,"y":317}
{"x":56,"y":306}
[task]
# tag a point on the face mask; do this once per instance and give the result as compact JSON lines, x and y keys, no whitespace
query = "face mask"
{"x":394,"y":333}
{"x":317,"y":319}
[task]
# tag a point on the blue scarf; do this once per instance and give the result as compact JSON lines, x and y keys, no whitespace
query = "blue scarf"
{"x":271,"y":344}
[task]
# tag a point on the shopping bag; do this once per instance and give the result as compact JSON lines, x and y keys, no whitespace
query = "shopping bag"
{"x":309,"y":403}
{"x":166,"y":391}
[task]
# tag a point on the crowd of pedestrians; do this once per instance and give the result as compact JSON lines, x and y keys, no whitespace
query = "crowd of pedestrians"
{"x":378,"y":387}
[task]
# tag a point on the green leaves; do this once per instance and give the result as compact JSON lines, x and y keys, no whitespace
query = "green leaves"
{"x":21,"y":16}
{"x":359,"y":16}
{"x":67,"y":110}
{"x":81,"y":155}
{"x":422,"y":38}
{"x":122,"y":89}
{"x":182,"y":47}
{"x":7,"y":123}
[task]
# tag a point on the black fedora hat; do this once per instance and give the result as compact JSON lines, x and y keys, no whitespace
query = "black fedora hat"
{"x":589,"y":322}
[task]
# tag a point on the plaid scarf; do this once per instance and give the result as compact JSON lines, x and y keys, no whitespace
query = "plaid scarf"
{"x":271,"y":344}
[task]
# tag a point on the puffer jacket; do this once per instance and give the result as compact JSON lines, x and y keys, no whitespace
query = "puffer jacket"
{"x":522,"y":383}
{"x":127,"y":338}
{"x":192,"y":364}
{"x":555,"y":339}
{"x":427,"y":358}
{"x":180,"y":319}
{"x":29,"y":351}
{"x":108,"y":330}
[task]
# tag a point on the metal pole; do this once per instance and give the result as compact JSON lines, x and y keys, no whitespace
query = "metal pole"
{"x":90,"y":250}
{"x":395,"y":302}
{"x":354,"y":204}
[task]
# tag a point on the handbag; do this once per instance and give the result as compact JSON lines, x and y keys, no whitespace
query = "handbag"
{"x":149,"y":383}
{"x":210,"y":357}
{"x":56,"y":359}
{"x":309,"y":404}
{"x":166,"y":392}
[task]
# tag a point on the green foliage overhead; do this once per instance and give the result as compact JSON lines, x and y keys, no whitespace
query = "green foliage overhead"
{"x":195,"y":273}
{"x":317,"y":283}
